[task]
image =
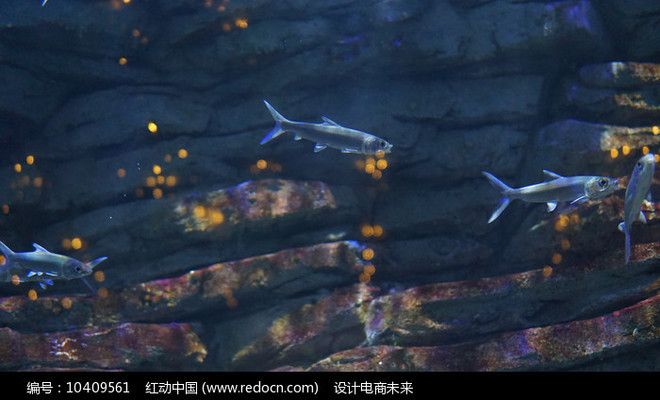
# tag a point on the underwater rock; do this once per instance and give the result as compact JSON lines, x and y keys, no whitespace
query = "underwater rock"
{"x":325,"y":327}
{"x":552,"y":347}
{"x":231,"y":287}
{"x":450,"y":312}
{"x":125,"y":346}
{"x":630,"y":25}
{"x":620,"y":74}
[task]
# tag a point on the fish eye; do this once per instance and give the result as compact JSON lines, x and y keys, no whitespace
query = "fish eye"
{"x":639,"y":165}
{"x":78,"y":268}
{"x":602,"y":183}
{"x":383,"y":144}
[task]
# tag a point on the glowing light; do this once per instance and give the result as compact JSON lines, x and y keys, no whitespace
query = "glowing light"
{"x":645,"y":150}
{"x":18,"y":168}
{"x":121,"y":172}
{"x":3,"y":259}
{"x":226,"y":27}
{"x":367,"y":230}
{"x":102,"y":292}
{"x":126,"y":1}
{"x":241,"y":23}
{"x":15,"y":280}
{"x":364,"y":278}
{"x":66,"y":243}
{"x":656,"y":130}
{"x":565,"y":244}
{"x":377,"y":174}
{"x":182,"y":153}
{"x":123,"y":60}
{"x":32,"y":294}
{"x":76,"y":243}
{"x":369,"y":168}
{"x":562,"y":223}
{"x":369,"y":269}
{"x":167,"y":158}
{"x":170,"y":181}
{"x":99,"y":276}
{"x":5,"y":209}
{"x":368,"y":254}
{"x":157,"y":193}
{"x":625,"y":149}
{"x":66,"y":303}
{"x":38,"y":182}
{"x":152,"y":127}
{"x":217,"y":217}
{"x":371,"y":161}
{"x":547,"y":271}
{"x":150,"y":181}
{"x":262,"y":164}
{"x":157,"y":169}
{"x":556,"y":258}
{"x":381,"y":164}
{"x":135,"y":33}
{"x":657,"y":158}
{"x":575,"y":219}
{"x":199,"y":211}
{"x":29,"y":160}
{"x":614,"y":153}
{"x":378,"y":231}
{"x":380,"y":154}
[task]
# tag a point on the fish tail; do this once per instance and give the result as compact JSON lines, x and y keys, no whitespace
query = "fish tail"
{"x":504,"y":189}
{"x":627,"y":247}
{"x":8,"y":253}
{"x":277,"y":130}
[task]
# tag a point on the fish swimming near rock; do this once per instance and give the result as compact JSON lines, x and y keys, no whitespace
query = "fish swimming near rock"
{"x":42,"y":266}
{"x":638,"y":189}
{"x":327,"y":134}
{"x":558,"y":189}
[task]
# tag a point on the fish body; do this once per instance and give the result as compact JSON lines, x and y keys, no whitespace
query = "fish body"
{"x":638,"y":189}
{"x":327,"y":134}
{"x":42,"y":266}
{"x":558,"y":189}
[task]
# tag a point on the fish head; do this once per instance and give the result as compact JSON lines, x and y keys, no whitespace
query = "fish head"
{"x":645,"y":166}
{"x":373,"y":145}
{"x":598,"y":187}
{"x":74,"y":269}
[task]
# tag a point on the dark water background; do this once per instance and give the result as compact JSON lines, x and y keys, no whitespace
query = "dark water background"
{"x":143,"y":120}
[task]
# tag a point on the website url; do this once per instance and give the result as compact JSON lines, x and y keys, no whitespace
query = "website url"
{"x":259,"y":387}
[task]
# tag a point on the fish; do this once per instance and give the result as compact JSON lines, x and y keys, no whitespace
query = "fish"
{"x":327,"y":134}
{"x":557,"y":189}
{"x":42,"y":266}
{"x":43,"y":3}
{"x":638,"y":189}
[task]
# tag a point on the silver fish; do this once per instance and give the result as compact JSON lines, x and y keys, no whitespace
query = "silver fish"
{"x":42,"y":266}
{"x":327,"y":134}
{"x":573,"y":189}
{"x":638,"y":188}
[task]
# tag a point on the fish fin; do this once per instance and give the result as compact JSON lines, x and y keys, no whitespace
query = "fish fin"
{"x":350,"y":151}
{"x":277,"y":130}
{"x":504,"y":190}
{"x":43,"y":3}
{"x":622,"y":227}
{"x":642,"y":217}
{"x":43,"y":285}
{"x":31,"y":273}
{"x":89,"y":285}
{"x":6,"y":250}
{"x":297,"y":137}
{"x":580,"y":200}
{"x":96,"y":262}
{"x":48,"y":282}
{"x":319,"y":147}
{"x":551,"y":206}
{"x":627,"y":247}
{"x":329,"y":121}
{"x":39,"y":248}
{"x":551,"y":175}
{"x":39,"y":273}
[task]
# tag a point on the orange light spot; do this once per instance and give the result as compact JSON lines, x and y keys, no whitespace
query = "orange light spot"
{"x":157,"y":169}
{"x":168,"y":158}
{"x":32,"y":294}
{"x":565,"y":244}
{"x":38,"y":182}
{"x":378,"y":231}
{"x":575,"y":219}
{"x":152,"y":127}
{"x":99,"y":276}
{"x":262,"y":164}
{"x":381,"y":164}
{"x":170,"y":181}
{"x":160,"y":179}
{"x":217,"y":217}
{"x":367,"y":230}
{"x":369,"y":168}
{"x":3,"y":259}
{"x":29,"y":160}
{"x":547,"y":271}
{"x":5,"y":209}
{"x":103,"y":292}
{"x":126,"y":1}
{"x":359,"y":164}
{"x":380,"y":154}
{"x":15,"y":280}
{"x":556,"y":258}
{"x":364,"y":278}
{"x":562,"y":223}
{"x":625,"y":149}
{"x":226,"y":27}
{"x":656,"y":130}
{"x":241,"y":23}
{"x":121,"y":172}
{"x":377,"y":174}
{"x":157,"y":193}
{"x":139,"y":192}
{"x":66,"y":243}
{"x":135,"y":33}
{"x":76,"y":243}
{"x":199,"y":211}
{"x":369,"y":269}
{"x":368,"y":254}
{"x":66,"y":303}
{"x":182,"y":153}
{"x":123,"y":60}
{"x":645,"y":150}
{"x":18,"y":168}
{"x":614,"y":153}
{"x":150,"y":181}
{"x":657,"y":158}
{"x":371,"y":161}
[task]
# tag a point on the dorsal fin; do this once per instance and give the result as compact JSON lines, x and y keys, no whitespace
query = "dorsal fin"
{"x":39,"y":248}
{"x":551,"y":175}
{"x":329,"y":121}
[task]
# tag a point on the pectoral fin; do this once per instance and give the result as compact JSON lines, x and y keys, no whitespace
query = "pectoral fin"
{"x":329,"y":121}
{"x":43,"y":285}
{"x":551,"y":206}
{"x":551,"y":175}
{"x":30,"y":274}
{"x":642,"y":217}
{"x":580,"y":200}
{"x":96,"y":262}
{"x":319,"y":147}
{"x":297,"y":137}
{"x":350,"y":151}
